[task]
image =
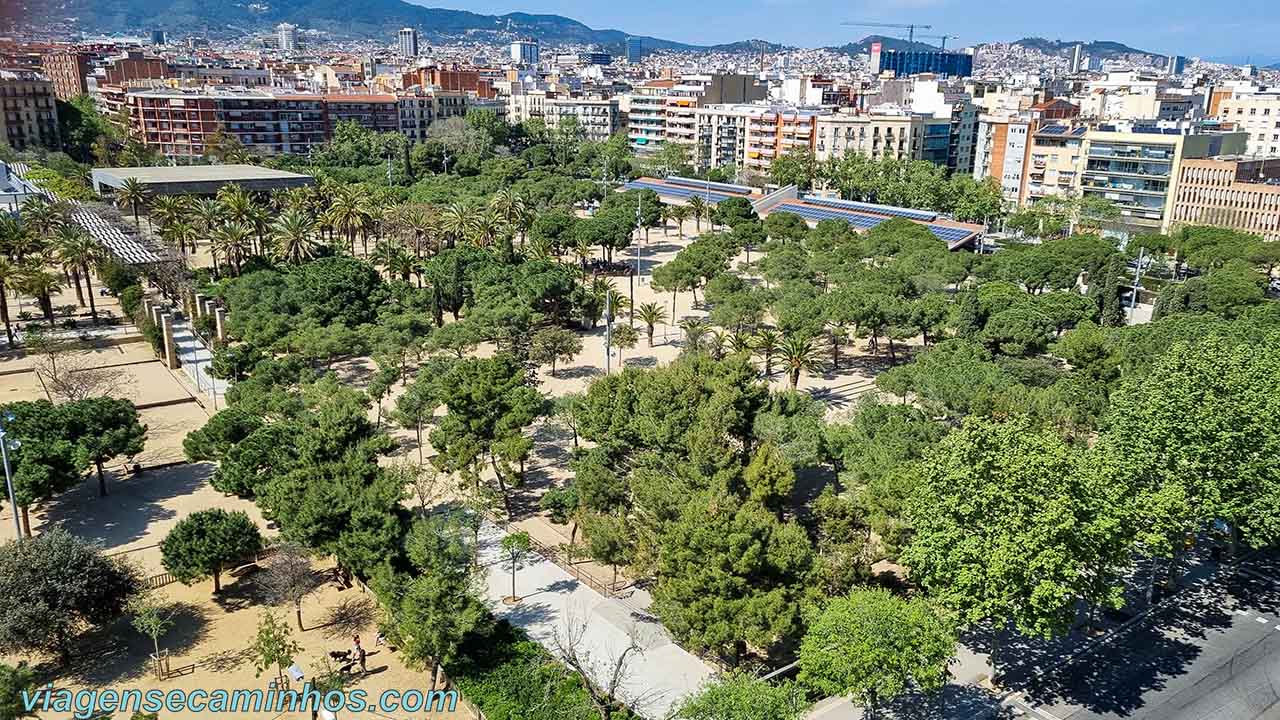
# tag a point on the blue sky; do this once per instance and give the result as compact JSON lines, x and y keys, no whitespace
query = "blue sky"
{"x":1227,"y":29}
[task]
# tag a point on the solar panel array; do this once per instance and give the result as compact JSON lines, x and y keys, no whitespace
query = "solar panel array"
{"x":1062,"y":130}
{"x":890,"y":210}
{"x":695,"y":183}
{"x":679,"y":193}
{"x":952,"y":236}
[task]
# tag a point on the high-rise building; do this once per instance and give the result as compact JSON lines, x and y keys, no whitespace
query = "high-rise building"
{"x":598,"y":118}
{"x":524,"y":52}
{"x":158,"y":37}
{"x":408,"y":42}
{"x":287,"y":37}
{"x":913,"y":62}
{"x":68,"y":71}
{"x":1175,"y":65}
{"x":665,"y":110}
{"x":1078,"y":60}
{"x":30,"y":117}
{"x":635,"y":50}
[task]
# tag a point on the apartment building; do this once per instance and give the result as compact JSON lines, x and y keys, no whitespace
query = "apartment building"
{"x":1000,"y":152}
{"x":134,"y":65}
{"x":1137,"y":168}
{"x":1258,"y":114}
{"x":1231,"y":192}
{"x":526,"y":104}
{"x":68,"y":72}
{"x":883,"y":133}
{"x":179,"y":121}
{"x":1056,"y":153}
{"x":666,"y":110}
{"x":380,"y":113}
{"x":598,"y":118}
{"x":29,"y":117}
{"x":418,"y":110}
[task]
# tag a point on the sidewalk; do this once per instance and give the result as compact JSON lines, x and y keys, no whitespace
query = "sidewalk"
{"x":553,"y":600}
{"x":196,"y":360}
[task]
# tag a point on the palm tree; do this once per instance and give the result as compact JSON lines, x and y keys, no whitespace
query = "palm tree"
{"x":698,"y":207}
{"x":210,"y":215}
{"x":798,"y":354}
{"x":178,"y":234}
{"x":292,"y":234}
{"x":618,"y":302}
{"x":36,"y":280}
{"x":651,"y":314}
{"x":767,"y":343}
{"x":82,"y":253}
{"x":9,"y":275}
{"x":523,"y":220}
{"x":695,"y":333}
{"x":40,"y":216}
{"x":740,"y":342}
{"x":348,"y":214}
{"x":132,"y":194}
{"x":486,"y":226}
{"x":233,"y":241}
{"x":167,"y":209}
{"x":455,"y":223}
{"x":66,"y":235}
{"x":401,"y":264}
{"x":680,"y":213}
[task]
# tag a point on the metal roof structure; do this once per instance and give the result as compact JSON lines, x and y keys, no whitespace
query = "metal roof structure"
{"x":955,"y":235}
{"x":199,"y":179}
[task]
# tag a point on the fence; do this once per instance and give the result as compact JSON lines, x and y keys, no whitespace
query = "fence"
{"x":563,"y":561}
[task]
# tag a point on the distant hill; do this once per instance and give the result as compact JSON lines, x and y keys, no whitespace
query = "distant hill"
{"x":366,"y":19}
{"x":863,"y":46}
{"x":1104,"y":49}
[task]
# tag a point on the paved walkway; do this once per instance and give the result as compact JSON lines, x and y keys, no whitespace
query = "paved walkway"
{"x":196,"y":360}
{"x":554,"y":601}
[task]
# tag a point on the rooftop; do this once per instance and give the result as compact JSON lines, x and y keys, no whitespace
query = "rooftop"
{"x":199,"y":179}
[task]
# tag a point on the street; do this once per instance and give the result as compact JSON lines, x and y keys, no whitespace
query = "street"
{"x":1211,"y":653}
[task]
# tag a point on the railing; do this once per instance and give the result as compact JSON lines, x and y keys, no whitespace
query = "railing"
{"x":560,"y":559}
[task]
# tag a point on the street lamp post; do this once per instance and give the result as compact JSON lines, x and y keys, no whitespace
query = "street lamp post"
{"x":7,"y":444}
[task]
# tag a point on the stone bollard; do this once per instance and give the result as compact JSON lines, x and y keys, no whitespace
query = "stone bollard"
{"x":220,"y":317}
{"x":197,"y":306}
{"x":170,"y":346}
{"x":157,"y":315}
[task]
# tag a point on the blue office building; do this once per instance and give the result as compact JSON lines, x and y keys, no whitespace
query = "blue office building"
{"x":911,"y":62}
{"x":635,"y":50}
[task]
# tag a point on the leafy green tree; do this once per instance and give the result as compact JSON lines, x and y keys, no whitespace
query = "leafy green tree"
{"x":48,"y":459}
{"x":152,"y":617}
{"x":517,"y":548}
{"x":609,"y":541}
{"x":205,"y":542}
{"x":623,"y":337}
{"x":716,"y":595}
{"x":106,"y":428}
{"x":1006,"y":529}
{"x":235,"y":362}
{"x":55,"y":586}
{"x":17,"y":683}
{"x":769,"y":477}
{"x":551,"y":344}
{"x":272,"y":646}
{"x":220,"y":434}
{"x":873,"y":645}
{"x":731,"y":211}
{"x":739,"y":696}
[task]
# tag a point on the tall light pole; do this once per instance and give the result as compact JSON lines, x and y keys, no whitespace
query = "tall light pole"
{"x":7,"y":444}
{"x":608,"y":333}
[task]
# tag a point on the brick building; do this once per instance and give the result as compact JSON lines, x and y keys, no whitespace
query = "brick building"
{"x":67,"y":71}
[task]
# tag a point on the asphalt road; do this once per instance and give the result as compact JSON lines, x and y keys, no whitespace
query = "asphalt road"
{"x":1211,"y":653}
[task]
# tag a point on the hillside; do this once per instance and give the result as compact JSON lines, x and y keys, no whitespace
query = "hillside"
{"x":1104,"y":49}
{"x":863,"y":46}
{"x":367,"y":19}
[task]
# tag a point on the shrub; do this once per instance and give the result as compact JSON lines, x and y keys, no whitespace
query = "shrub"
{"x":117,"y":276}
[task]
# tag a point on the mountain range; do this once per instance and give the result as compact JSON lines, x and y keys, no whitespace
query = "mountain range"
{"x":382,"y":18}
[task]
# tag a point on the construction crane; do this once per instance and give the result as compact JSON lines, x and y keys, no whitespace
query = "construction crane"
{"x":910,"y":28}
{"x":943,"y":38}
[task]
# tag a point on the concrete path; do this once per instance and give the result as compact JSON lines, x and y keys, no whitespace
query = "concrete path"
{"x":196,"y":360}
{"x":555,"y":603}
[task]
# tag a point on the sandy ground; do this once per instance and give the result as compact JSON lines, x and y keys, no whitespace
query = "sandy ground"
{"x":208,"y":647}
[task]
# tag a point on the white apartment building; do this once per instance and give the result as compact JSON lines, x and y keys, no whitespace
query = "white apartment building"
{"x":598,"y":118}
{"x":1258,"y":114}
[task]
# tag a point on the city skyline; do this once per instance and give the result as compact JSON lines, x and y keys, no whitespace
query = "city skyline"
{"x":1171,"y":27}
